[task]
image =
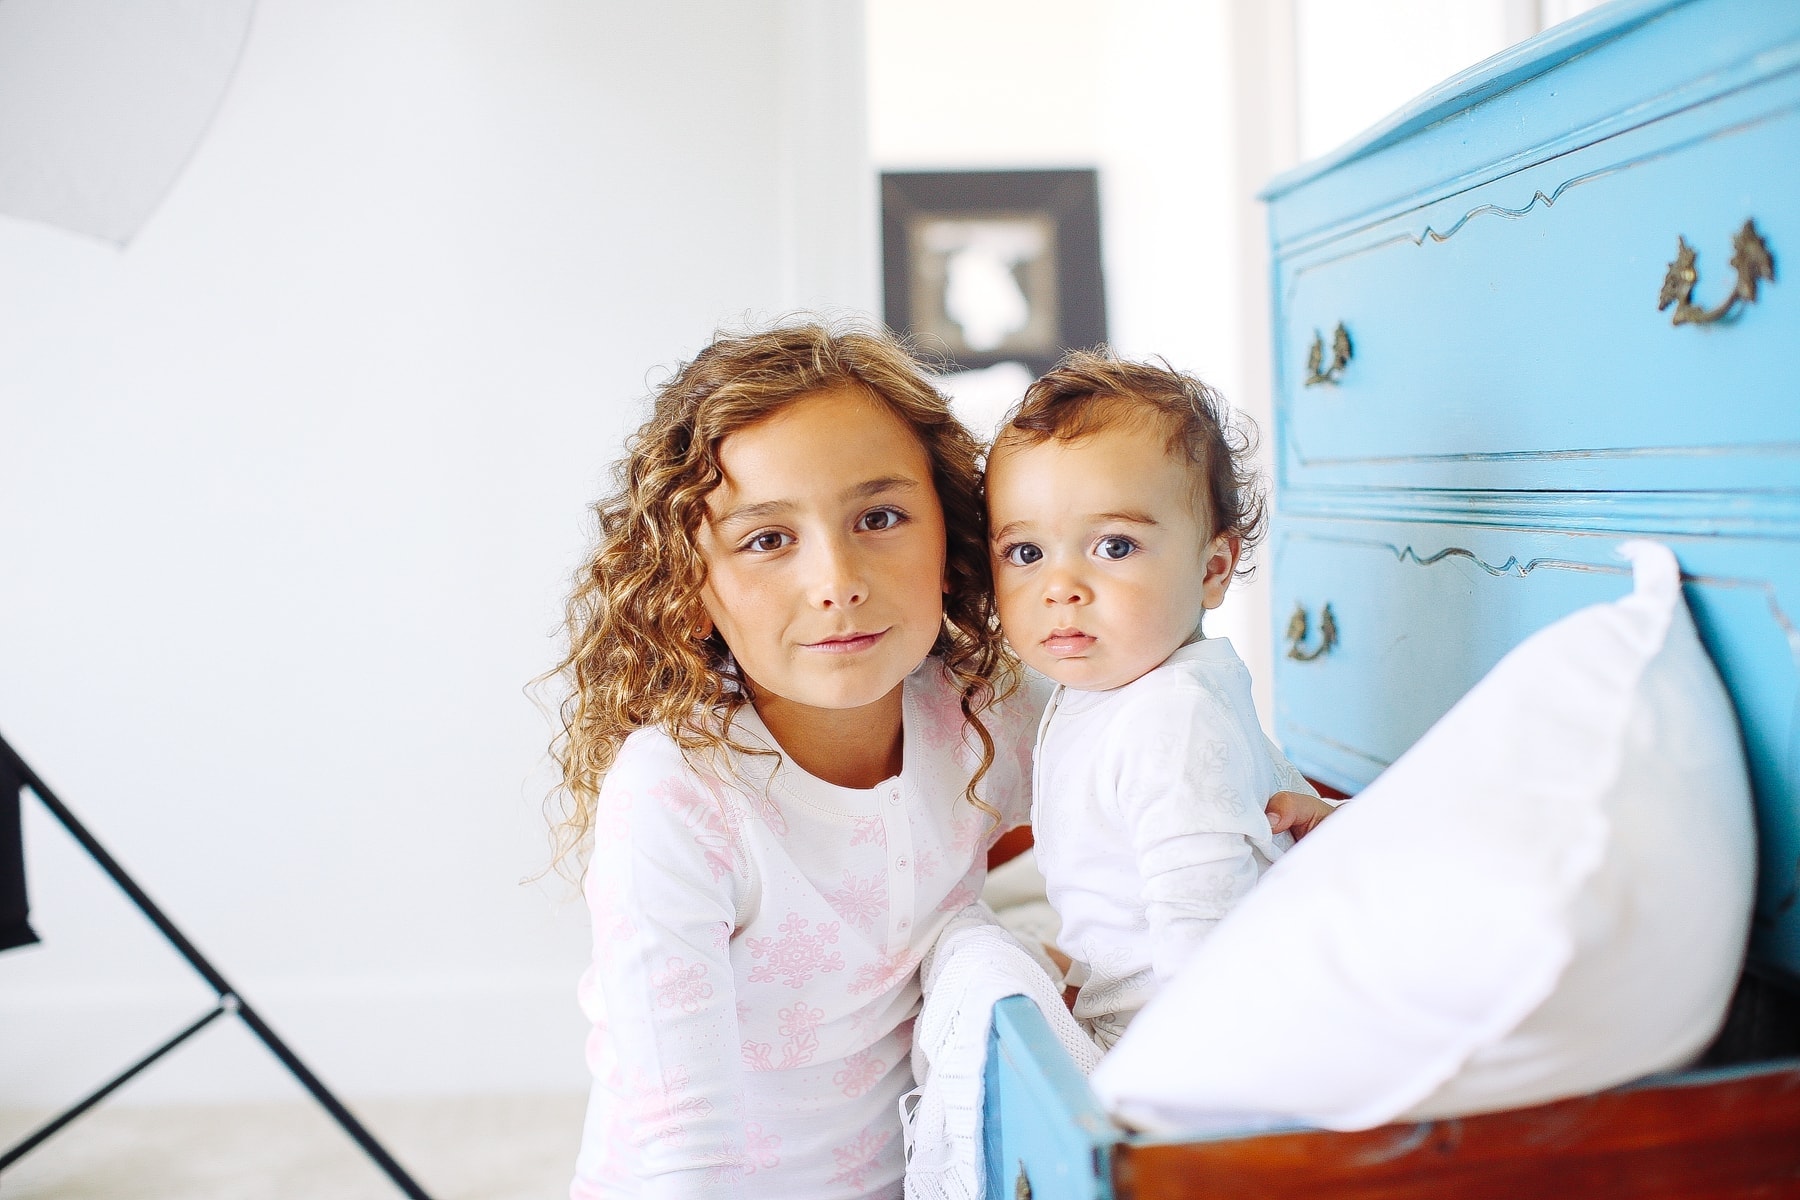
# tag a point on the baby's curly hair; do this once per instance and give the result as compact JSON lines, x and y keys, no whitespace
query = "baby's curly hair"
{"x":634,"y":658}
{"x":1092,"y":390}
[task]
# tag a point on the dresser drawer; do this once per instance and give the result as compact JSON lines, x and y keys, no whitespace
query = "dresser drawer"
{"x":1508,"y":336}
{"x":1420,"y":611}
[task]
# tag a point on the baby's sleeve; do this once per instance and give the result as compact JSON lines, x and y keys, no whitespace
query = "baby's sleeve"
{"x":1188,"y":792}
{"x":661,"y":889}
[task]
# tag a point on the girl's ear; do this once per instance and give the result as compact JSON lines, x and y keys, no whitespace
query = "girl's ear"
{"x":1220,"y":565}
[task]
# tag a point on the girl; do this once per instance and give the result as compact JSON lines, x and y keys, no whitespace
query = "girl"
{"x":792,"y":734}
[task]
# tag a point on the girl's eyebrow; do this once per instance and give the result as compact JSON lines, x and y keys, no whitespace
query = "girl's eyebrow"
{"x":875,"y":487}
{"x":763,"y":509}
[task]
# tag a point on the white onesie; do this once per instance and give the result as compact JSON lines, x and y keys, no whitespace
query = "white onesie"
{"x":1148,"y":813}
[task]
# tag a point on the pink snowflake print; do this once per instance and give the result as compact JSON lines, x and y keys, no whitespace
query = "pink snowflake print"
{"x":960,"y":897}
{"x":769,"y":811}
{"x":965,"y":827}
{"x":797,"y":955}
{"x":613,"y":925}
{"x":700,"y":814}
{"x":925,"y":866}
{"x":941,"y":720}
{"x":868,"y":831}
{"x":796,"y":1051}
{"x":721,"y":935}
{"x":760,"y":1149}
{"x":612,"y":814}
{"x":882,"y":974}
{"x":859,"y":1157}
{"x":758,"y":1154}
{"x":799,"y":1025}
{"x":683,"y":985}
{"x":662,"y":1107}
{"x":800,"y":1019}
{"x":861,"y":1072}
{"x":860,"y":901}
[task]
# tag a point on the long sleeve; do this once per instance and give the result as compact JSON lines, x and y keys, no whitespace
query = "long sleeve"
{"x":662,"y":888}
{"x":1188,"y":793}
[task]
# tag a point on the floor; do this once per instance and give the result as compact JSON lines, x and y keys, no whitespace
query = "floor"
{"x":480,"y":1148}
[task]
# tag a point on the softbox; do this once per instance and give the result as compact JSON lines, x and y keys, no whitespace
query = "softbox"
{"x":15,"y":909}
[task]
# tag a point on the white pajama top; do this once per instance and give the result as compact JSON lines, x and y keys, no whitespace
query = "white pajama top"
{"x":1149,"y":819}
{"x":757,"y":934}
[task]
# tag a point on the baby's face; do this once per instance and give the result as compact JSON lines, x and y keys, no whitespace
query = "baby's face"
{"x":1102,"y":565}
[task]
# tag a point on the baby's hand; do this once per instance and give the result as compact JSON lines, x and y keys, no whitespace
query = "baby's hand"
{"x":1296,"y":812}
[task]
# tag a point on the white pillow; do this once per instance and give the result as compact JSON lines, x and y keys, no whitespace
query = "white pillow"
{"x":1547,"y":895}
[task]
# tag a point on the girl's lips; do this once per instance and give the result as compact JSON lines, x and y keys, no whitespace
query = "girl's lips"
{"x":850,"y":643}
{"x":1067,"y":645}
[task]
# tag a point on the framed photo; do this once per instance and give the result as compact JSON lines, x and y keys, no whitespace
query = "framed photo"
{"x":989,"y":267}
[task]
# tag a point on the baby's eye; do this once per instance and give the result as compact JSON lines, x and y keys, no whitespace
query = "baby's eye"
{"x":877,"y":519}
{"x":1023,"y":554}
{"x":1115,"y":548}
{"x":767,"y":541}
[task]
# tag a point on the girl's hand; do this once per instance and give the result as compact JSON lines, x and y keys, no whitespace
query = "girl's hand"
{"x":1296,"y":813}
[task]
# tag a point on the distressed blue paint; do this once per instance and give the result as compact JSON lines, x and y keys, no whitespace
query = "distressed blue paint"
{"x":1039,"y":1112}
{"x":1424,"y":609}
{"x":1517,"y":404}
{"x":1516,"y":407}
{"x":1605,"y":72}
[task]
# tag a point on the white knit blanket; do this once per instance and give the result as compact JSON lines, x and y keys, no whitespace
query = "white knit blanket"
{"x":975,"y":964}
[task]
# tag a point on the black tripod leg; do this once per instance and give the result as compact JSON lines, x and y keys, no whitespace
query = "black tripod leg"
{"x":228,"y":997}
{"x":43,"y":1134}
{"x":331,"y":1104}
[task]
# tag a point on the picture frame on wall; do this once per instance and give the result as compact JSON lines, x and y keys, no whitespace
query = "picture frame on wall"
{"x":987,"y":267}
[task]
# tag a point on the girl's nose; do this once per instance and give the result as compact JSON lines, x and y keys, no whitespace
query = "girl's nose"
{"x":839,"y":580}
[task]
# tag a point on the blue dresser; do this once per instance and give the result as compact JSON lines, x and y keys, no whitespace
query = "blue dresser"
{"x":1542,"y":310}
{"x":1513,"y":287}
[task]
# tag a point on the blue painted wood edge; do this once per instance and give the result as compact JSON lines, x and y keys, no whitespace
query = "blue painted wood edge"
{"x":1047,"y":1067}
{"x":1485,"y":79}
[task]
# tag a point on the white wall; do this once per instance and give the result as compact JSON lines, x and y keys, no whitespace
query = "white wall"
{"x":1145,"y":90}
{"x":289,"y":492}
{"x":1187,"y":109}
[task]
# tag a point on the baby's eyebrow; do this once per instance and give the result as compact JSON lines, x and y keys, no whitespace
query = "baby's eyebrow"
{"x":1005,"y":531}
{"x":1130,"y":518}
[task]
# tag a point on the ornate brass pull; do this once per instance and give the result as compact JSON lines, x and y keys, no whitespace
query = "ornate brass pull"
{"x":1299,"y":627}
{"x":1022,"y":1185}
{"x":1316,"y":370}
{"x":1750,"y":259}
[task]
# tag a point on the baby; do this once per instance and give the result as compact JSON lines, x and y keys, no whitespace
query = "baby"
{"x":1119,"y":501}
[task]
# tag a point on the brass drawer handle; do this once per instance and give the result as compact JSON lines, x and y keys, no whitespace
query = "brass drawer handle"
{"x":1299,"y":627}
{"x":1316,"y":370}
{"x":1021,"y":1185}
{"x":1750,"y":259}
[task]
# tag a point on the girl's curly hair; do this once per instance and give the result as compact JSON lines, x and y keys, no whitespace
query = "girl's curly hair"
{"x":634,"y":660}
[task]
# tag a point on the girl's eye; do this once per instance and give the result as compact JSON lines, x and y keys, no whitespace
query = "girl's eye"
{"x":1115,"y":548}
{"x":767,"y":541}
{"x":1023,"y":554}
{"x":877,"y":519}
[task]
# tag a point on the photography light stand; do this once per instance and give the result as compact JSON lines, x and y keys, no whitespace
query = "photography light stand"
{"x":17,"y":775}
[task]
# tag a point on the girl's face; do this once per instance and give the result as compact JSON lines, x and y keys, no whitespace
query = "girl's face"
{"x":824,"y":548}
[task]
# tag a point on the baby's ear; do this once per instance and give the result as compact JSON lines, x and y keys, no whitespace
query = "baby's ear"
{"x":1220,"y":565}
